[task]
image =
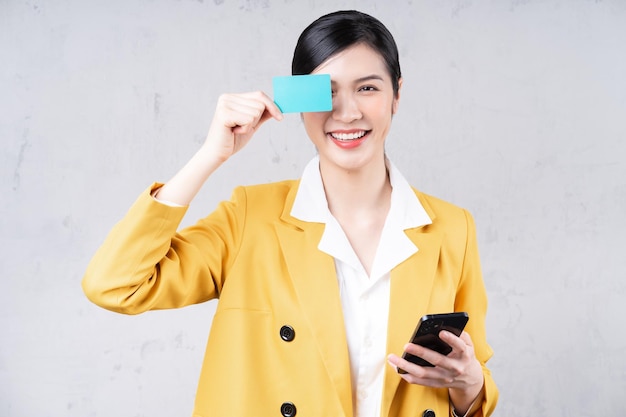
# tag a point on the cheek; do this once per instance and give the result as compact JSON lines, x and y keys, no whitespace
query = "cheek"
{"x":380,"y":111}
{"x":314,"y":124}
{"x":314,"y":121}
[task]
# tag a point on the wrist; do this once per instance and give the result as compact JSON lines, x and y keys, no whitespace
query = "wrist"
{"x":210,"y":157}
{"x":466,"y":401}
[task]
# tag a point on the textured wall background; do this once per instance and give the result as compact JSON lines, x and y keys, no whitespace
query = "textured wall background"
{"x":514,"y":109}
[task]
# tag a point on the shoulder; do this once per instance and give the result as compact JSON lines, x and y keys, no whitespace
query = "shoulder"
{"x":266,"y":198}
{"x":267,"y":194}
{"x":443,"y":213}
{"x":435,"y":203}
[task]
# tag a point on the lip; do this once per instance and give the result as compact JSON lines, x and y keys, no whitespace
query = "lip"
{"x":348,"y":143}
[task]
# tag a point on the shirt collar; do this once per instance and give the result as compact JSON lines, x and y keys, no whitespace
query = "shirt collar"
{"x":405,"y":211}
{"x":310,"y":204}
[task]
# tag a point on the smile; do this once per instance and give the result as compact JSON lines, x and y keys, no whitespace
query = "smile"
{"x":348,"y":136}
{"x":349,"y":139}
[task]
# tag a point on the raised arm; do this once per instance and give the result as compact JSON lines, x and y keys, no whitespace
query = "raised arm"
{"x":237,"y":117}
{"x":144,"y":263}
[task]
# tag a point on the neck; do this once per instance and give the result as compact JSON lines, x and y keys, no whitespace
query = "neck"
{"x":354,"y":191}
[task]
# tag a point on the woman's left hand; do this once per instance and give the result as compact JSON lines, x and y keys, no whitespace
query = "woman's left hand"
{"x":460,"y":371}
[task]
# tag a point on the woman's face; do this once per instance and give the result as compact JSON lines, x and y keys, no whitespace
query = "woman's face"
{"x":352,"y":135}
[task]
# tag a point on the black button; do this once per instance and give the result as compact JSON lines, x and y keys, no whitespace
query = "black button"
{"x":428,"y":413}
{"x":287,"y":333}
{"x":288,"y":409}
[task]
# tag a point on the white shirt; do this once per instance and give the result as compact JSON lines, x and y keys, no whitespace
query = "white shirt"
{"x":364,"y":299}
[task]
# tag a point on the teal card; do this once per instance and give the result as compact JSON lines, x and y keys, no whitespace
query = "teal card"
{"x":303,"y":93}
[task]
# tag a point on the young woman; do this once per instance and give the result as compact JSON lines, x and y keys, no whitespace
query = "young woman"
{"x":320,"y":280}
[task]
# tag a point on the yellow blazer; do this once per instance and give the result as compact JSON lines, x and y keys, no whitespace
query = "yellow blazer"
{"x":277,"y":341}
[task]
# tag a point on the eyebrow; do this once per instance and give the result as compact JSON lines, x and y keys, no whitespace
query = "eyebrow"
{"x":366,"y":78}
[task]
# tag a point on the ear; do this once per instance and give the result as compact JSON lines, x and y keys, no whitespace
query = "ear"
{"x":396,"y":99}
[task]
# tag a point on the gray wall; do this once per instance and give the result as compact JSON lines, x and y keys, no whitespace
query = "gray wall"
{"x":514,"y":109}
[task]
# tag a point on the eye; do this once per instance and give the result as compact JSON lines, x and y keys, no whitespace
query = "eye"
{"x":368,"y":88}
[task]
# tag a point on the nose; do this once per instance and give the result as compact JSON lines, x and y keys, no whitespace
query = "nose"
{"x":345,"y":108}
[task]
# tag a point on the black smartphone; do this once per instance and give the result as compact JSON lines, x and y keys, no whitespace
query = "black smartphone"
{"x":427,"y":334}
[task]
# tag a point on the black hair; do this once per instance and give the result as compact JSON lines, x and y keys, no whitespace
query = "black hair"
{"x":334,"y":32}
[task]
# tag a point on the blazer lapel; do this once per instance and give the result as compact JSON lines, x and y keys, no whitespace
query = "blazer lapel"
{"x":315,"y":280}
{"x":411,"y":285}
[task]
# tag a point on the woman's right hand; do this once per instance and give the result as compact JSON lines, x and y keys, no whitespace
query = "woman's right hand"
{"x":237,"y":117}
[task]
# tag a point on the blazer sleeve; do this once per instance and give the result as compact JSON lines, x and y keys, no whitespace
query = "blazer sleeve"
{"x":471,"y":297}
{"x":145,"y":264}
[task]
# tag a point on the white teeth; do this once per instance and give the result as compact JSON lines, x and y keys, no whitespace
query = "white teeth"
{"x":348,"y":136}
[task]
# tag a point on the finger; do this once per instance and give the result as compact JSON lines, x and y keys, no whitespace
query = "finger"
{"x":439,"y":371}
{"x":415,"y":374}
{"x":246,"y":114}
{"x":455,"y":342}
{"x":409,"y":367}
{"x":239,"y":111}
{"x":435,"y":358}
{"x":467,"y":339}
{"x":270,"y":108}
